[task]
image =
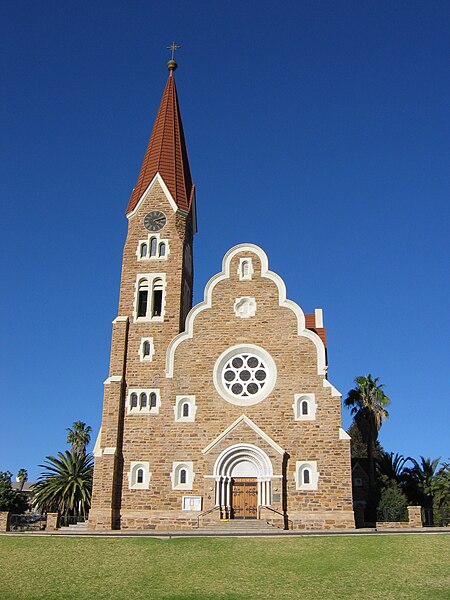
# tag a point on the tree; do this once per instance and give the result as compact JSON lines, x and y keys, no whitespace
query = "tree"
{"x":421,"y":481}
{"x":66,"y":485}
{"x":22,"y":477}
{"x":10,"y":499}
{"x":358,"y":446}
{"x":367,"y":402}
{"x":393,"y":504}
{"x":79,"y":436}
{"x":442,"y":486}
{"x":391,"y":466}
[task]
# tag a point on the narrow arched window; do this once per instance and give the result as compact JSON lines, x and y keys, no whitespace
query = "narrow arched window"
{"x":133,"y":400}
{"x":153,"y":246}
{"x":153,"y":400}
{"x":143,"y":250}
{"x":183,"y":476}
{"x":142,"y":298}
{"x":186,"y":409}
{"x":140,"y":476}
{"x":162,"y":249}
{"x":143,"y":400}
{"x":157,"y":295}
{"x":146,"y":348}
{"x":305,"y":407}
{"x":245,"y":269}
{"x":306,"y":476}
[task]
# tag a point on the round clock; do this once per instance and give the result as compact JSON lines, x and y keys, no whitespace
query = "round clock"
{"x":155,"y":220}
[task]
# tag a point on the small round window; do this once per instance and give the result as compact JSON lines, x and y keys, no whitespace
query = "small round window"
{"x":245,"y":375}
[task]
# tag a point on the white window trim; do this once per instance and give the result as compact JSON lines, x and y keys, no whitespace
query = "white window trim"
{"x":150,"y":278}
{"x":159,"y":240}
{"x":297,"y":407}
{"x":178,"y":409}
{"x":251,"y":270}
{"x":147,"y":410}
{"x":132,"y":475}
{"x":176,"y":468}
{"x":299,"y":467}
{"x":148,"y":358}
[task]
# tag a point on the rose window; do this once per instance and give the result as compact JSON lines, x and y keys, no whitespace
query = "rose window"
{"x":244,"y":375}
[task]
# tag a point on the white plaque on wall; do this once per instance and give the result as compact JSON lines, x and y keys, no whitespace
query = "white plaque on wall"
{"x":192,"y":503}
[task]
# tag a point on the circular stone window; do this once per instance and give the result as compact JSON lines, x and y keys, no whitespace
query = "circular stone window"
{"x":244,"y":375}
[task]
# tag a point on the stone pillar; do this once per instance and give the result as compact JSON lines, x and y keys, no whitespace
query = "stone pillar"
{"x":52,"y":522}
{"x":415,"y":516}
{"x":4,"y":520}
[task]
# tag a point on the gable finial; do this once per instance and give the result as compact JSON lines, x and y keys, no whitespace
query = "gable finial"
{"x":172,"y":65}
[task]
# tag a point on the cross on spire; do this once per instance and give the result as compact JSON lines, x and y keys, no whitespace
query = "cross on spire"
{"x":173,"y":47}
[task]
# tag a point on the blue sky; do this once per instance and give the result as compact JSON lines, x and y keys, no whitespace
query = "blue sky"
{"x":317,"y":130}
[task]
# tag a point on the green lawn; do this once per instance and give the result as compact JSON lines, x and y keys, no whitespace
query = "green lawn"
{"x":363,"y":567}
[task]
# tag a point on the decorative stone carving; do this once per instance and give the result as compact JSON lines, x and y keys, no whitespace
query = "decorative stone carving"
{"x":245,"y":307}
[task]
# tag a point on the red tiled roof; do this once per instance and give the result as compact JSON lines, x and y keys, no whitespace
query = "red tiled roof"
{"x":310,"y":323}
{"x":166,"y":153}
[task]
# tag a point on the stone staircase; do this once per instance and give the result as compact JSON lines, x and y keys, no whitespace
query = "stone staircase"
{"x":238,"y":527}
{"x":76,"y":528}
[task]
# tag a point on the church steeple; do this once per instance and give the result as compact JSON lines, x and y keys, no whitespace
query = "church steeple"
{"x":166,"y":152}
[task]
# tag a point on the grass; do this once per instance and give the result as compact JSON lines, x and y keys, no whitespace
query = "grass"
{"x":376,"y":567}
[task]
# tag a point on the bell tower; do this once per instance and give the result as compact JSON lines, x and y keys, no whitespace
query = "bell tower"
{"x":155,"y":297}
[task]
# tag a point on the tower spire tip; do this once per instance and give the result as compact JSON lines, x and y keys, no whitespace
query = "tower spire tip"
{"x":172,"y":65}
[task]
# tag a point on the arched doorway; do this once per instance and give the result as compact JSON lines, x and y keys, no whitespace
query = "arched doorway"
{"x":243,"y":473}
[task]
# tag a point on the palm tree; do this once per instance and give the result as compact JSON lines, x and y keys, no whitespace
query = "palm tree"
{"x":79,"y":436}
{"x":22,"y":477}
{"x":421,"y":481}
{"x":391,"y":466}
{"x":442,"y":486}
{"x":66,"y":485}
{"x":367,"y":403}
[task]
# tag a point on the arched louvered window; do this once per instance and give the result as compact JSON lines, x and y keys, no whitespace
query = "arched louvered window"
{"x":142,"y":298}
{"x":143,"y":400}
{"x":153,"y":246}
{"x":162,"y":249}
{"x":153,"y":400}
{"x":306,"y":476}
{"x":144,"y":249}
{"x":140,"y":476}
{"x":157,"y":296}
{"x":133,"y":400}
{"x":186,"y":409}
{"x":146,"y":348}
{"x":183,"y":476}
{"x":305,"y":407}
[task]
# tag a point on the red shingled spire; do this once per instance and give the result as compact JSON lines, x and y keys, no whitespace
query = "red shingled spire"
{"x":166,"y":152}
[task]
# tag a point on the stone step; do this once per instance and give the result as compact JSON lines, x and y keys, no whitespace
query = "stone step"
{"x":238,"y":525}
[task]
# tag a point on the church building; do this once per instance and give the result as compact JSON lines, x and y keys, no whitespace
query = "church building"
{"x":221,"y":411}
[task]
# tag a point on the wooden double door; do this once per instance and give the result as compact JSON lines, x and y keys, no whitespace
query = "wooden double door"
{"x":244,"y":498}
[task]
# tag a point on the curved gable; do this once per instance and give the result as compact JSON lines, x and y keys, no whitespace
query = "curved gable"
{"x":207,"y":303}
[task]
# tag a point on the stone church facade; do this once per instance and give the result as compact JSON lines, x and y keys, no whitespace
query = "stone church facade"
{"x":224,"y":410}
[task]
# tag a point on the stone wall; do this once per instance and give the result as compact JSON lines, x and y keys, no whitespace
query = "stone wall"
{"x":414,"y":520}
{"x":4,"y":520}
{"x":415,"y":516}
{"x":52,"y":522}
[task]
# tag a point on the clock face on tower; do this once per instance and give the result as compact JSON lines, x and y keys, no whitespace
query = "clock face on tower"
{"x":155,"y":220}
